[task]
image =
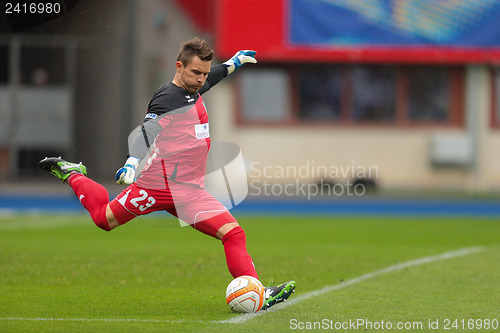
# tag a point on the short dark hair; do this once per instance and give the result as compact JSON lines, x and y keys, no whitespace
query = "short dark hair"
{"x":195,"y":47}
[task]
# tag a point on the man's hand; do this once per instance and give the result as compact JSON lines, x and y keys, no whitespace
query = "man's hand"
{"x":126,"y":174}
{"x":240,"y":58}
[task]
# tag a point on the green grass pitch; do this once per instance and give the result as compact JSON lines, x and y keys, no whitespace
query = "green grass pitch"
{"x":62,"y":274}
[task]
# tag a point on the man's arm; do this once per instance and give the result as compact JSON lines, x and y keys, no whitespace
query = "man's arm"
{"x":143,"y":140}
{"x":218,"y":72}
{"x":138,"y":149}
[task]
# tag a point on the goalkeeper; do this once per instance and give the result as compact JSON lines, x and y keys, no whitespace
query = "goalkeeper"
{"x":176,"y":134}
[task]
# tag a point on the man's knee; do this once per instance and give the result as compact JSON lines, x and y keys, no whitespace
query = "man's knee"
{"x":111,"y":220}
{"x":226,"y":228}
{"x":216,"y":225}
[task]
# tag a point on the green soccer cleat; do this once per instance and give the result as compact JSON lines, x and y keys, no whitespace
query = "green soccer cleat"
{"x":61,"y":168}
{"x":277,"y":294}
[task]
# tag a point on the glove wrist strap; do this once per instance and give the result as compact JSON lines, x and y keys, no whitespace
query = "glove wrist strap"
{"x":132,"y":161}
{"x":230,"y":65}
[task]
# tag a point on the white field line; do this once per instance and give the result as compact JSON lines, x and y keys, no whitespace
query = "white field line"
{"x":239,"y":319}
{"x":347,"y":283}
{"x":100,"y":319}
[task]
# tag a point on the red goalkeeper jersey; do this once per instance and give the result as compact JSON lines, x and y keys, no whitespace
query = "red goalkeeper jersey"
{"x":179,"y":152}
{"x":176,"y":132}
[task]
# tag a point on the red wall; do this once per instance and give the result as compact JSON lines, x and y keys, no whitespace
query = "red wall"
{"x":201,"y":13}
{"x":254,"y":24}
{"x":261,"y":25}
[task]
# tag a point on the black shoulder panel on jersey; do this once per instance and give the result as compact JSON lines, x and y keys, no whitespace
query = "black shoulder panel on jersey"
{"x":168,"y":98}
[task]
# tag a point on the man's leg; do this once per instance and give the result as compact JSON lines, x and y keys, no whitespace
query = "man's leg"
{"x":225,"y":227}
{"x":95,"y":199}
{"x":238,"y":260}
{"x":211,"y":218}
{"x":93,"y":196}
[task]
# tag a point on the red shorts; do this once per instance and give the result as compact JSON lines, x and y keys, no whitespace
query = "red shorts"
{"x":190,"y":203}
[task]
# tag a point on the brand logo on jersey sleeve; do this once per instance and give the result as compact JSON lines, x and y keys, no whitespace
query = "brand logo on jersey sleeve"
{"x":202,"y":131}
{"x":151,"y":116}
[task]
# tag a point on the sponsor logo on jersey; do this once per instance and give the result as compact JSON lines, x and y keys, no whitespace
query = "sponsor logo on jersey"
{"x":202,"y":131}
{"x":151,"y":116}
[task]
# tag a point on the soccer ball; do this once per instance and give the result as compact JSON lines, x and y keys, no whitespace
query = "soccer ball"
{"x":245,"y":294}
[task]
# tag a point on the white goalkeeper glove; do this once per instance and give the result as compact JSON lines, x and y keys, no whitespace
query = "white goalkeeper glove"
{"x":240,"y":58}
{"x":126,"y":174}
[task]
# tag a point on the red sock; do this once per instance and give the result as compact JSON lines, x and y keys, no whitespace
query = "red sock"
{"x":93,"y":196}
{"x":238,"y":260}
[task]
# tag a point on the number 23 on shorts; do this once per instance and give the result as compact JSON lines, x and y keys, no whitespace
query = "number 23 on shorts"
{"x":143,"y":202}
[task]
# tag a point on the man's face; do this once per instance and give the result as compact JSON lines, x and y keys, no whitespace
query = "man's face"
{"x":192,"y":77}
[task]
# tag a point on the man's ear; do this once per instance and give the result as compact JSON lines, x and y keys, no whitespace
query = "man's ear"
{"x":179,"y":66}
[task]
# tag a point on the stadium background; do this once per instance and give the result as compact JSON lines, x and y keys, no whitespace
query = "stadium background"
{"x":407,"y":87}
